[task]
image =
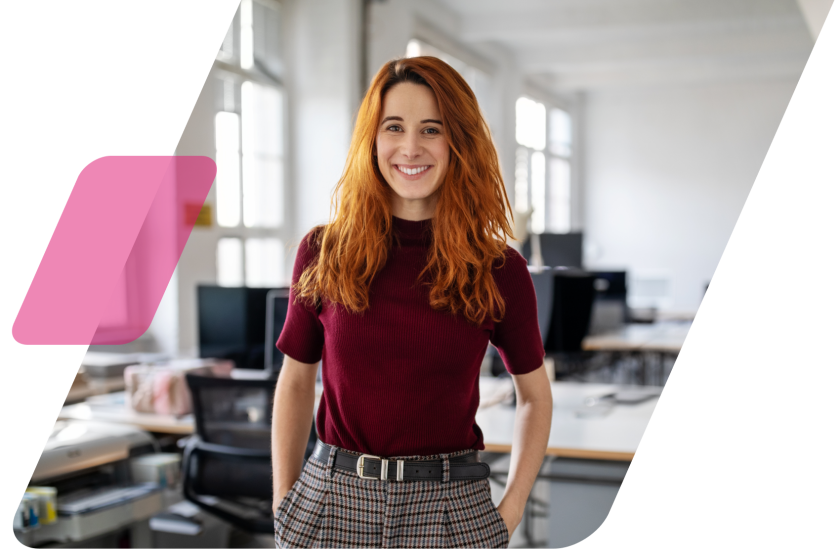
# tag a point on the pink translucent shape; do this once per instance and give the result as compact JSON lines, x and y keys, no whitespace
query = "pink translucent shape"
{"x":114,"y":250}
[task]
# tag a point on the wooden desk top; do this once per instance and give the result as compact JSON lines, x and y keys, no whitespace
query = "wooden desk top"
{"x":113,"y":408}
{"x":81,"y":391}
{"x":610,"y":436}
{"x":655,"y":337}
{"x":613,"y":436}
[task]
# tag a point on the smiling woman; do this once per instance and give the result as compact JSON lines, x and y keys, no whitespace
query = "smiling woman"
{"x":399,"y":295}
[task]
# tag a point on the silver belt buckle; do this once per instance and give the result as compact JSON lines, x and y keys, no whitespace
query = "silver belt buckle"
{"x":383,"y":474}
{"x":360,"y":467}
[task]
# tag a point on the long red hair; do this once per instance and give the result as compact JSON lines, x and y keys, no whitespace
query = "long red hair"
{"x":470,"y":226}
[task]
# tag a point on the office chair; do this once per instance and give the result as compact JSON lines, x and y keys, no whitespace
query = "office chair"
{"x":564,"y":301}
{"x":227,"y":463}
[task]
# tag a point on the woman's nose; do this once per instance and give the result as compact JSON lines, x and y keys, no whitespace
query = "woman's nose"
{"x":411,"y":147}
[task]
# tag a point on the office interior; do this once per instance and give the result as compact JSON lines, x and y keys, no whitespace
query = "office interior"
{"x":629,"y":134}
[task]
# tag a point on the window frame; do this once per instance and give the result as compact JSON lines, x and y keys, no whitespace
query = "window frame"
{"x":572,"y":159}
{"x":231,"y":69}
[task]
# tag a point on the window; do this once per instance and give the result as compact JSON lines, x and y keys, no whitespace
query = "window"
{"x":249,"y":132}
{"x":542,"y":168}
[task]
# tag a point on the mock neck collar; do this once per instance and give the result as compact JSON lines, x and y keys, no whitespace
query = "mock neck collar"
{"x":412,"y":233}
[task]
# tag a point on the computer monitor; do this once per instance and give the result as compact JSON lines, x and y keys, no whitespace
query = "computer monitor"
{"x":231,"y":324}
{"x":610,"y":309}
{"x":277,"y":304}
{"x":558,"y":249}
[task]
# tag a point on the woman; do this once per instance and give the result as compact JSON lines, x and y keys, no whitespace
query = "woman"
{"x":399,"y":295}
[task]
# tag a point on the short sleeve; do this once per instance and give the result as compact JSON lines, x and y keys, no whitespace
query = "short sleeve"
{"x":517,"y":336}
{"x":302,"y":337}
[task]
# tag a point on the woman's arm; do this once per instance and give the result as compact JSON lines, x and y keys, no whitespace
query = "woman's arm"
{"x":530,"y":439}
{"x":294,"y":401}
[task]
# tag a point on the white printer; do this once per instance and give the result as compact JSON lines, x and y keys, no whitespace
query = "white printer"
{"x":88,"y":463}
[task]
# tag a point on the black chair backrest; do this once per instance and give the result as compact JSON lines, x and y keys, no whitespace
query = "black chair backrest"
{"x":544,"y":290}
{"x":233,"y":412}
{"x":571,"y":310}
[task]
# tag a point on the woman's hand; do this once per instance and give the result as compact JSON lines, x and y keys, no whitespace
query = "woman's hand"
{"x":511,"y":517}
{"x":279,"y":494}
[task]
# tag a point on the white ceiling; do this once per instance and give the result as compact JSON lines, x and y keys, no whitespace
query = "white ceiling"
{"x":568,"y":45}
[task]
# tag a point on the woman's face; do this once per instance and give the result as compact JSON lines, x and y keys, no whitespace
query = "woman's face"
{"x":412,"y":150}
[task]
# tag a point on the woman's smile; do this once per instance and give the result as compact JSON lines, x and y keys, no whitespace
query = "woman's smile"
{"x":413,"y":172}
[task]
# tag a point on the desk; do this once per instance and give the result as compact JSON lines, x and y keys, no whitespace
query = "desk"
{"x":655,"y":337}
{"x":587,"y":458}
{"x":91,"y":387}
{"x":656,"y":341}
{"x":612,"y":437}
{"x":113,"y":408}
{"x":668,"y":339}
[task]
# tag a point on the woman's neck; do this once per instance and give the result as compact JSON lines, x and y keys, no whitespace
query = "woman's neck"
{"x":414,"y":210}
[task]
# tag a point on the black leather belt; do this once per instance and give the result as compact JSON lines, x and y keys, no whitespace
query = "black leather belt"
{"x":462,"y":467}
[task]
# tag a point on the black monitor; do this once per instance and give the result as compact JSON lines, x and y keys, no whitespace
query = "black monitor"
{"x":558,"y":249}
{"x":231,"y":325}
{"x":277,"y":304}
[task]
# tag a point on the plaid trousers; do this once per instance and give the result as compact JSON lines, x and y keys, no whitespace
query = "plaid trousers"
{"x":330,"y":508}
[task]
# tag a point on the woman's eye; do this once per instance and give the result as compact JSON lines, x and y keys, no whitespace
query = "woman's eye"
{"x":394,"y":128}
{"x":431,"y":130}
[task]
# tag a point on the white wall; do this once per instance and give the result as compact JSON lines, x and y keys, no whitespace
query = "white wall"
{"x":667,"y":172}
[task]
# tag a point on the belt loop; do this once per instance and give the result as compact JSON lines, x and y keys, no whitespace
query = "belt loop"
{"x":331,"y":462}
{"x":445,"y":458}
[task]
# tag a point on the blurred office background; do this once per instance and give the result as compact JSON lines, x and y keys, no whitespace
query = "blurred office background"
{"x":641,"y":124}
{"x":629,"y":133}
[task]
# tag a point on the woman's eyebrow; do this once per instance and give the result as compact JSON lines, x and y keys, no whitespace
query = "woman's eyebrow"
{"x":424,"y":121}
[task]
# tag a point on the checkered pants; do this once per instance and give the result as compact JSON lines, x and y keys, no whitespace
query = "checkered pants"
{"x":330,"y":508}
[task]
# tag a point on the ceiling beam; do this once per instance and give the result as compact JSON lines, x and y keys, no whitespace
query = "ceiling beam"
{"x":559,"y":58}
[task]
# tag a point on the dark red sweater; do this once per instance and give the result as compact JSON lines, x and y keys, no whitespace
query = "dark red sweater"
{"x":402,"y":378}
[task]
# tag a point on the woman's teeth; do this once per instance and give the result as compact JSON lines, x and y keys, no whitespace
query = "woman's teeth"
{"x":413,"y":171}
